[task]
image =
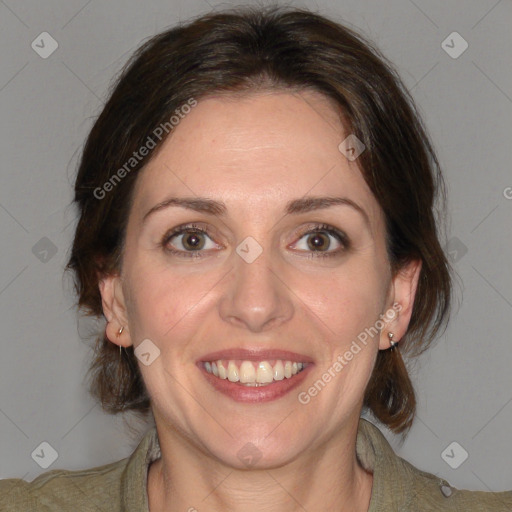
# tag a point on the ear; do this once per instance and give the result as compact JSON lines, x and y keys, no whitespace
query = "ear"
{"x":114,"y":309}
{"x":402,"y":293}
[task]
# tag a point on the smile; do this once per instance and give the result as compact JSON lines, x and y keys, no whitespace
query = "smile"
{"x":254,"y":373}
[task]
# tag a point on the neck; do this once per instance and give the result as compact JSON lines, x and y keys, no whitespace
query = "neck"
{"x":328,"y":478}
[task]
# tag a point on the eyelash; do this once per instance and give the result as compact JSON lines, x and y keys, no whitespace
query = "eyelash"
{"x":194,"y":228}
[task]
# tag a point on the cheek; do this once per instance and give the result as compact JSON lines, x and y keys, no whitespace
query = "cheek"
{"x":163,"y":303}
{"x":348,"y":303}
{"x":348,"y":300}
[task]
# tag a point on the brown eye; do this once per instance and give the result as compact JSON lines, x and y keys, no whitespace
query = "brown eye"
{"x":193,"y":241}
{"x":319,"y":241}
{"x":322,"y":240}
{"x":188,"y":241}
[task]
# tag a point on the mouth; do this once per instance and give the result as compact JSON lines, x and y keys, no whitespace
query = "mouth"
{"x":255,"y":376}
{"x":253,"y":373}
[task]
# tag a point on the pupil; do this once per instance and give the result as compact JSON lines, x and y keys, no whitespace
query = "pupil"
{"x":193,"y":242}
{"x":317,"y":241}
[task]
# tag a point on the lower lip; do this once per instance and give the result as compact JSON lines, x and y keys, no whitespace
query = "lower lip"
{"x":256,"y":394}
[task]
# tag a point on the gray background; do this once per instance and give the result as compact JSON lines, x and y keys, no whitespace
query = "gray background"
{"x":47,"y":107}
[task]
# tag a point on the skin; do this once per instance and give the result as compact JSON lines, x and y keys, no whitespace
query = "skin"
{"x":255,"y":153}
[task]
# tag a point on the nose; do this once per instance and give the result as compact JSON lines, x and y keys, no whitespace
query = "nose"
{"x":256,"y":297}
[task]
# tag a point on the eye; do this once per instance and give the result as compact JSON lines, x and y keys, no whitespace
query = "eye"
{"x":322,"y":239}
{"x":192,"y":241}
{"x":189,"y":239}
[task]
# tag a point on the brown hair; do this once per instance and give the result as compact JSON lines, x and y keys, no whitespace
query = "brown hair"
{"x":236,"y":51}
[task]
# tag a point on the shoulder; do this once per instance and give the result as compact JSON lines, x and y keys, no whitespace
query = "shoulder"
{"x":431,"y":493}
{"x":111,"y":487}
{"x":398,"y":485}
{"x":62,"y":490}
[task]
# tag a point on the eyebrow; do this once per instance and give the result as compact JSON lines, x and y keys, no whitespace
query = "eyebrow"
{"x":218,"y":208}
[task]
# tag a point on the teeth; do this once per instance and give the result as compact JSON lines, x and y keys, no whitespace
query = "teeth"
{"x":252,"y":373}
{"x":278,"y":370}
{"x":247,"y":372}
{"x":265,"y":373}
{"x":288,"y":369}
{"x":233,"y":375}
{"x":223,"y":374}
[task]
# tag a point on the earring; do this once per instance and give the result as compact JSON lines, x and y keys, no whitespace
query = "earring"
{"x":117,"y":335}
{"x":391,"y":342}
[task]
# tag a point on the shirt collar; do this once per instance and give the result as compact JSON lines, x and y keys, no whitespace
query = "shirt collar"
{"x":390,"y":480}
{"x":134,"y":493}
{"x":392,"y":484}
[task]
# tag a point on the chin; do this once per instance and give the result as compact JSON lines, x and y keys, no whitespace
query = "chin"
{"x":258,"y":451}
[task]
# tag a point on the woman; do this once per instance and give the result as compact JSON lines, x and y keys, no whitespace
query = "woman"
{"x":257,"y":226}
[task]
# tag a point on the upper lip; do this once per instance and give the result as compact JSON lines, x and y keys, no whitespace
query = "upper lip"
{"x":256,"y":354}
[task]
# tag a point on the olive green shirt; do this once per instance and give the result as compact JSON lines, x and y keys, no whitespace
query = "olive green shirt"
{"x":122,"y":485}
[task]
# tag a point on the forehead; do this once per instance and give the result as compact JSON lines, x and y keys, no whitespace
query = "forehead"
{"x":255,"y":151}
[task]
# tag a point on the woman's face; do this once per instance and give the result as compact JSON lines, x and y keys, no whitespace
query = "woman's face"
{"x":259,"y":272}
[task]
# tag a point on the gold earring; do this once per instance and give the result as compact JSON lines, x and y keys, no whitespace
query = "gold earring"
{"x":120,"y":331}
{"x":391,"y":342}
